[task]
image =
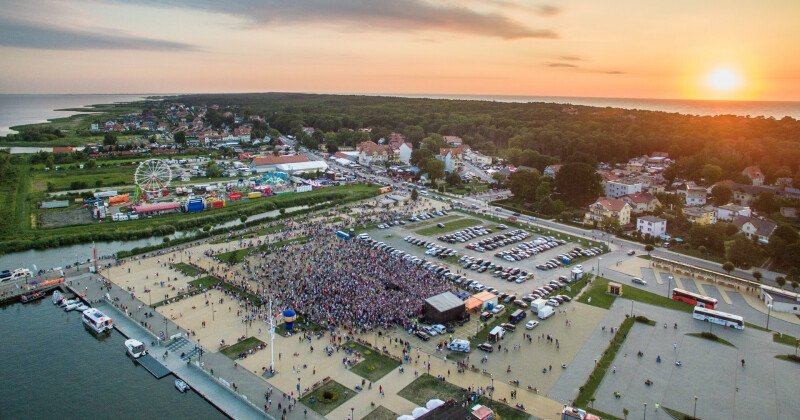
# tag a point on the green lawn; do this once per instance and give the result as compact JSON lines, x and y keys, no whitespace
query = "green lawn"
{"x":711,"y":337}
{"x":247,"y":344}
{"x":204,"y":282}
{"x":424,"y":223}
{"x":255,"y":300}
{"x":587,"y":391}
{"x":375,"y":365}
{"x":233,"y":257}
{"x":326,"y":398}
{"x":785,"y":339}
{"x":381,"y":413}
{"x":788,"y":358}
{"x":677,"y":415}
{"x":74,"y":178}
{"x":187,"y":269}
{"x":427,"y":387}
{"x":596,"y":294}
{"x":448,"y":227}
{"x":300,"y":324}
{"x":575,"y":288}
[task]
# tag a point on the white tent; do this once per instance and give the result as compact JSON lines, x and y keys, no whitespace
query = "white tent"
{"x":419,"y":412}
{"x":430,"y":405}
{"x":405,"y":417}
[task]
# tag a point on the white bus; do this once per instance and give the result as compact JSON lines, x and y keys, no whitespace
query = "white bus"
{"x":717,"y":317}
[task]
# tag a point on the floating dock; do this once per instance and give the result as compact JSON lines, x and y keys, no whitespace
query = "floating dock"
{"x":153,"y":366}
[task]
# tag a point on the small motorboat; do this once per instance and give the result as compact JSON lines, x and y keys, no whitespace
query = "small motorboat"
{"x":56,"y":298}
{"x":31,"y":297}
{"x":181,"y":386}
{"x":71,"y":306}
{"x":67,"y":302}
{"x":82,"y":307}
{"x":135,"y":348}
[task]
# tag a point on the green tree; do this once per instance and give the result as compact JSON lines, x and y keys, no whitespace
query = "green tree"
{"x":420,"y":156}
{"x":523,"y":184}
{"x":781,"y":281}
{"x":757,"y":275}
{"x":91,"y":164}
{"x":625,"y":413}
{"x":649,"y":248}
{"x":180,"y":137}
{"x":110,"y":138}
{"x":578,"y":184}
{"x":795,"y":285}
{"x":742,"y":251}
{"x":213,"y":170}
{"x":434,"y":169}
{"x":332,"y":146}
{"x":50,"y":162}
{"x":728,"y":267}
{"x":766,"y":203}
{"x":721,"y":195}
{"x":433,"y":143}
{"x":453,"y":179}
{"x":711,"y":173}
{"x":414,"y":195}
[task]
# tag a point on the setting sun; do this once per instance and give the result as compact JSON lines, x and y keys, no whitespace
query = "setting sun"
{"x":724,"y":80}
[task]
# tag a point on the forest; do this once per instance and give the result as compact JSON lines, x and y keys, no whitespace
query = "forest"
{"x":537,"y":134}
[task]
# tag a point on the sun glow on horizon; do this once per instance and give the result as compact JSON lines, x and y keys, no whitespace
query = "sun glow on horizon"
{"x":724,"y":80}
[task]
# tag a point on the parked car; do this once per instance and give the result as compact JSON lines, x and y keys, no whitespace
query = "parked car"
{"x":531,"y":324}
{"x":422,"y":335}
{"x":487,"y":347}
{"x":637,"y":280}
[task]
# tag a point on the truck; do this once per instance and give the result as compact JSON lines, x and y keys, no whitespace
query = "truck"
{"x":459,"y":344}
{"x":538,"y":304}
{"x":546,"y":312}
{"x":517,"y":316}
{"x":496,"y":334}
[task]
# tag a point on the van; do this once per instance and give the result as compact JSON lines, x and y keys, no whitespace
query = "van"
{"x":459,"y":345}
{"x":517,"y":316}
{"x":546,"y":312}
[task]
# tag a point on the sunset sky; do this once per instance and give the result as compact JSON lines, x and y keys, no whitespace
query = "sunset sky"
{"x":686,"y":49}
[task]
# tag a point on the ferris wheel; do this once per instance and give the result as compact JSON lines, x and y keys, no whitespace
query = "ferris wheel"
{"x":152,"y":175}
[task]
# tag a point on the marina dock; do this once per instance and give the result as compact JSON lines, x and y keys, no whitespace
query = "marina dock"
{"x":153,"y":366}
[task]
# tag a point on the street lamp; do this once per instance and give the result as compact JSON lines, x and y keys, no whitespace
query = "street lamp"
{"x":694,"y":414}
{"x":644,"y":414}
{"x":352,"y":410}
{"x":598,"y":266}
{"x":669,"y":285}
{"x":769,"y":312}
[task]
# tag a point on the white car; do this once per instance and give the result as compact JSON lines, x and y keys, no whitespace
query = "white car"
{"x":497,"y":309}
{"x":531,"y":324}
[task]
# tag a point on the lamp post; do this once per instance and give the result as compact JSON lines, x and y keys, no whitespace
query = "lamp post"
{"x":491,"y":394}
{"x":598,"y":266}
{"x":694,"y":413}
{"x":644,"y":413}
{"x":769,"y":312}
{"x":352,"y":410}
{"x":166,"y":333}
{"x":669,"y":284}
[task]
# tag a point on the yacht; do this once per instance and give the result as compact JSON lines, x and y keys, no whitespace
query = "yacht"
{"x":71,"y":306}
{"x":181,"y":386}
{"x":56,"y":297}
{"x":66,"y":302}
{"x":96,"y":321}
{"x":135,"y":348}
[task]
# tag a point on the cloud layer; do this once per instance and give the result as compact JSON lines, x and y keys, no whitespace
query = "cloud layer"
{"x":395,"y":15}
{"x":24,"y":34}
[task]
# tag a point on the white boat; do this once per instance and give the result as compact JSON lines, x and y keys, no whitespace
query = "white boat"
{"x":135,"y":348}
{"x":96,"y":321}
{"x":56,"y":297}
{"x":181,"y":386}
{"x":67,"y":302}
{"x":82,"y":307}
{"x":71,"y":306}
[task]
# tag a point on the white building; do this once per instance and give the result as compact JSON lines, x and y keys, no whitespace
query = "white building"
{"x":654,"y":226}
{"x":404,"y":154}
{"x":696,"y":196}
{"x":729,"y":211}
{"x":302,"y":167}
{"x":621,"y":187}
{"x":781,"y":300}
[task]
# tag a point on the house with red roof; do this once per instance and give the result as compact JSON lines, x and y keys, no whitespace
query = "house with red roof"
{"x":641,"y":202}
{"x":608,"y":208}
{"x":454,"y":141}
{"x":755,"y":175}
{"x":261,"y":164}
{"x":370,"y":153}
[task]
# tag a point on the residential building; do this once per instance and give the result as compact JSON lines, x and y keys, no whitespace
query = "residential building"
{"x":744,"y":194}
{"x":370,"y":153}
{"x":753,"y":227}
{"x":452,"y":157}
{"x":608,"y":208}
{"x":551,"y":170}
{"x":454,"y":141}
{"x":621,"y":187}
{"x":642,"y":202}
{"x":696,"y":196}
{"x":729,"y":211}
{"x":700,"y":215}
{"x":654,"y":226}
{"x":404,"y":153}
{"x":755,"y":175}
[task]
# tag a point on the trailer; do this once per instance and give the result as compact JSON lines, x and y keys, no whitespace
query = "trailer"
{"x":254,"y":195}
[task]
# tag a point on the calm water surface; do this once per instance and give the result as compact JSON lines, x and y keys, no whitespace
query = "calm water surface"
{"x":52,"y":368}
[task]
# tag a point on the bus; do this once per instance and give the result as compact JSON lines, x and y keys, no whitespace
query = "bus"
{"x":717,"y":317}
{"x":694,"y":299}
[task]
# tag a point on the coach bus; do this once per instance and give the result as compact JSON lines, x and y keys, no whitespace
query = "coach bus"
{"x":717,"y":317}
{"x":694,"y":299}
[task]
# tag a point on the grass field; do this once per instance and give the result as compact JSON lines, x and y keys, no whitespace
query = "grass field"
{"x":64,"y":180}
{"x":381,"y":413}
{"x":233,"y":257}
{"x":187,"y":269}
{"x":204,"y":282}
{"x":599,"y":297}
{"x":232,"y":352}
{"x":711,"y":337}
{"x":427,"y":387}
{"x":450,"y":226}
{"x":788,"y":357}
{"x":785,"y":339}
{"x":596,"y":294}
{"x":326,"y":398}
{"x":374,"y":366}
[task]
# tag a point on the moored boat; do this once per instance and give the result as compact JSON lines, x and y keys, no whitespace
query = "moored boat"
{"x":96,"y":321}
{"x":181,"y":386}
{"x":135,"y":348}
{"x":82,"y":307}
{"x":32,"y":297}
{"x":56,"y":298}
{"x":71,"y":306}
